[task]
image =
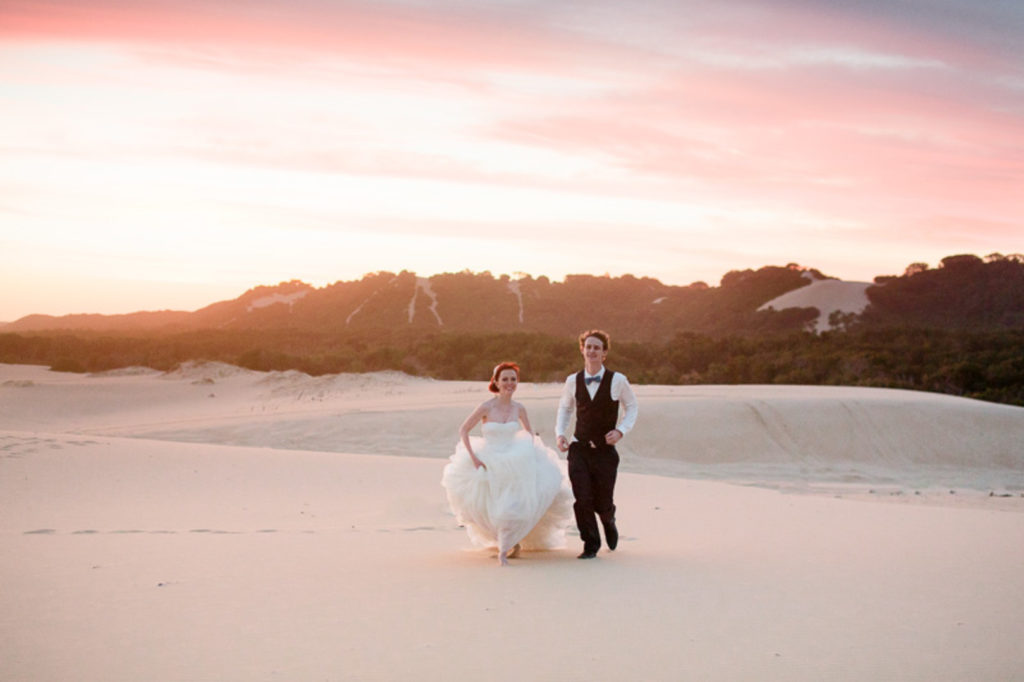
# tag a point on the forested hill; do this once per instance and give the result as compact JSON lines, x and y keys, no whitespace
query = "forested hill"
{"x":963,"y":292}
{"x":630,"y":308}
{"x":957,"y":328}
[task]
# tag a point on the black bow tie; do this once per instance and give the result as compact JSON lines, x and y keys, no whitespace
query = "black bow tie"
{"x":591,"y":380}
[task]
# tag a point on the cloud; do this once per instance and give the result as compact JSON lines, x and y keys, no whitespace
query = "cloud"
{"x":713,"y":135}
{"x":374,"y":31}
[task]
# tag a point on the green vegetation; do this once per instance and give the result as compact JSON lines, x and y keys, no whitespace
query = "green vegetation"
{"x":965,"y":292}
{"x":985,"y":365}
{"x":957,"y":329}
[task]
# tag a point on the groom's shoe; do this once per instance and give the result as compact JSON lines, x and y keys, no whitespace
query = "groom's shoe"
{"x":611,"y":535}
{"x":587,"y":554}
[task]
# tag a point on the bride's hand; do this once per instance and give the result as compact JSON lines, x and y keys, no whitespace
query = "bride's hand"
{"x":478,"y":464}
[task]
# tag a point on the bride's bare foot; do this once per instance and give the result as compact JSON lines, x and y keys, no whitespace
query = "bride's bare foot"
{"x":515,"y":552}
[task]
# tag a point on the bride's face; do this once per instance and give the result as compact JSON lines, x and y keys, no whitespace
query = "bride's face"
{"x":507,"y":381}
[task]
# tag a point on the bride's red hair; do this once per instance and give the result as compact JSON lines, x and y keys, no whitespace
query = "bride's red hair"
{"x":493,"y":386}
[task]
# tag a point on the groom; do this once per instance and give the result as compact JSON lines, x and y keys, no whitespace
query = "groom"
{"x":594,"y":394}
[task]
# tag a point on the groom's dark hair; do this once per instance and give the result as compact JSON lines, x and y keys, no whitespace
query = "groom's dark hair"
{"x":603,"y":335}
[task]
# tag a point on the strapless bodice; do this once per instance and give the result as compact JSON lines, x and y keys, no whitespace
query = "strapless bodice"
{"x":500,"y":431}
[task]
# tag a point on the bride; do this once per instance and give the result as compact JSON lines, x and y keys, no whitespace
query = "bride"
{"x":507,"y":488}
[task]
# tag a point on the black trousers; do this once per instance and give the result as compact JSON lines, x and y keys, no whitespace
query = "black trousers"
{"x":592,"y":474}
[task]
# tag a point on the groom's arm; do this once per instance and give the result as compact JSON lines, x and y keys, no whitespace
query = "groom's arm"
{"x":630,"y":407}
{"x":566,"y":407}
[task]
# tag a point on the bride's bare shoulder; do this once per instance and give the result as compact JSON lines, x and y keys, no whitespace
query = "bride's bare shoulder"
{"x":486,"y":406}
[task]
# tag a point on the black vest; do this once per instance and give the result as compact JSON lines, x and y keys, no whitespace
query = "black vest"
{"x":598,"y":415}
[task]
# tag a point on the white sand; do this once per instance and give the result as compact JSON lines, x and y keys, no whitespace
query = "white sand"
{"x":214,"y":524}
{"x":828,"y":296}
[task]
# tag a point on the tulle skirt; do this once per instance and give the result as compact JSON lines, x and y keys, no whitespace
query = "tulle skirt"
{"x":522,"y":497}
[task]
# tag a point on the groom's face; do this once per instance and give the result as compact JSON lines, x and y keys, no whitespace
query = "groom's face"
{"x":593,"y":350}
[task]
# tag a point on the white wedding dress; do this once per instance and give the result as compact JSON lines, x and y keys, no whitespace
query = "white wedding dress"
{"x":522,"y":497}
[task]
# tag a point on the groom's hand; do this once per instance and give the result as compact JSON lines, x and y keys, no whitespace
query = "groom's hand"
{"x":562,"y":443}
{"x":613,"y":437}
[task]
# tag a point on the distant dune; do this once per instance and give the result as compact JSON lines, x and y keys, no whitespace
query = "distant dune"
{"x":817,"y":434}
{"x":828,"y":296}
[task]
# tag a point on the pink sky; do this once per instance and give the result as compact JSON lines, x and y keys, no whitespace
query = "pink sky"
{"x":170,"y":154}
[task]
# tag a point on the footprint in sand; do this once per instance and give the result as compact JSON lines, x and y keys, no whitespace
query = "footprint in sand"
{"x":19,"y":447}
{"x":13,"y":447}
{"x":136,"y":531}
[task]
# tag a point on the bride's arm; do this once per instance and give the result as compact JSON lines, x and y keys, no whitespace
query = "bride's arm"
{"x":523,"y":419}
{"x":464,"y":430}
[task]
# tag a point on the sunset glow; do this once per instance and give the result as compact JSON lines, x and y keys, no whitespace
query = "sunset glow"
{"x":171,"y":154}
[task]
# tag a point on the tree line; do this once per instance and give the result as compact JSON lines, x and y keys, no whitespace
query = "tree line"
{"x":987,"y":364}
{"x":956,"y":329}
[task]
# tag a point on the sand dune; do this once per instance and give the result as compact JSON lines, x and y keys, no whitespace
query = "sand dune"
{"x":828,"y":296}
{"x":816,"y":434}
{"x":220,"y":524}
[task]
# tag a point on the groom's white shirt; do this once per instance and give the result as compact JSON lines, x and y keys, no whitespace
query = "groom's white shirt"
{"x":621,"y":391}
